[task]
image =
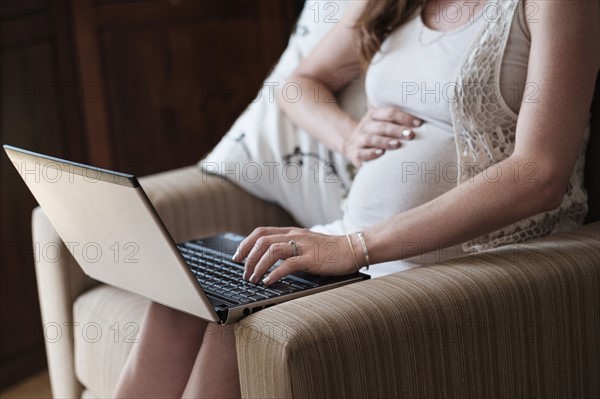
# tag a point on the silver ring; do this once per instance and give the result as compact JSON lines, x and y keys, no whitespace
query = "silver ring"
{"x":294,"y":247}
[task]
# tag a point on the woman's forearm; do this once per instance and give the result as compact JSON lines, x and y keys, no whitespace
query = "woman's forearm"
{"x":504,"y":194}
{"x":548,"y":138}
{"x":313,"y":107}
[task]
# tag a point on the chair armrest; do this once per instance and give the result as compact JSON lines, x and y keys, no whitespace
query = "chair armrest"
{"x":516,"y":321}
{"x":191,"y":204}
{"x":60,"y":281}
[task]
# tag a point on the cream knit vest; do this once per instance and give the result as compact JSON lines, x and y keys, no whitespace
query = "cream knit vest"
{"x":485,"y":127}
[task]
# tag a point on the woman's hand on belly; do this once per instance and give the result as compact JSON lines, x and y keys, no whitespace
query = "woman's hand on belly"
{"x":379,"y":130}
{"x":326,"y":255}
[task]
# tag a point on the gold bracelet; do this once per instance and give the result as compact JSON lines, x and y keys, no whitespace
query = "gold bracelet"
{"x":353,"y":253}
{"x":365,"y":250}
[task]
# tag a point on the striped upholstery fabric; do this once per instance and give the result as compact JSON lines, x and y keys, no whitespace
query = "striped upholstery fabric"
{"x":517,"y":321}
{"x":107,"y":321}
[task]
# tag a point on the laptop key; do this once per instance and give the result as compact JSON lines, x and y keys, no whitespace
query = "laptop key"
{"x":300,"y":285}
{"x":233,"y":264}
{"x":272,"y":292}
{"x":282,"y":288}
{"x":226,"y":299}
{"x":239,"y":298}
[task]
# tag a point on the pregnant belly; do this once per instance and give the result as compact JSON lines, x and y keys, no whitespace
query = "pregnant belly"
{"x":419,"y":171}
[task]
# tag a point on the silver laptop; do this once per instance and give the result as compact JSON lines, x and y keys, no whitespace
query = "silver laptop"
{"x":112,"y":230}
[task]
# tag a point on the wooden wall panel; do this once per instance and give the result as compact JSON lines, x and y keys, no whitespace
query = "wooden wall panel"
{"x":198,"y":89}
{"x":38,"y":111}
{"x":175,"y":75}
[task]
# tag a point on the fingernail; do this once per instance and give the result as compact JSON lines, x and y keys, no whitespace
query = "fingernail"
{"x":234,"y":257}
{"x":266,"y":280}
{"x":406,"y":132}
{"x":417,"y":123}
{"x":253,"y":278}
{"x":378,"y":152}
{"x":394,"y":143}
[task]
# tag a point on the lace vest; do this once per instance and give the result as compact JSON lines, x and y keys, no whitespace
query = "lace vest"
{"x":485,"y":127}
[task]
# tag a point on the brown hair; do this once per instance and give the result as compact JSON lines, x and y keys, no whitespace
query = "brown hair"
{"x":378,"y":19}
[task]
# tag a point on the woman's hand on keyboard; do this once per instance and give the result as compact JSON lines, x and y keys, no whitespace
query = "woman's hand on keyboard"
{"x":317,"y":253}
{"x":380,"y":129}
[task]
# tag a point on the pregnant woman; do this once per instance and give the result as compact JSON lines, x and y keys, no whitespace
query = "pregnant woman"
{"x":474,"y":138}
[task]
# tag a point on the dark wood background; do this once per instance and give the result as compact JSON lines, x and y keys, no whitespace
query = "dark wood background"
{"x":137,"y":86}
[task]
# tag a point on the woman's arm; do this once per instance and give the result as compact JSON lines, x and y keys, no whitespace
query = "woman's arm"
{"x":564,"y":62}
{"x":330,"y":67}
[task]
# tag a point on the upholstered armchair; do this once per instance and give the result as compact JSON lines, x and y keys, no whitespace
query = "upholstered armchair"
{"x":517,"y":321}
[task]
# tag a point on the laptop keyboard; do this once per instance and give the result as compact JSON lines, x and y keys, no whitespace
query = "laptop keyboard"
{"x":222,"y":278}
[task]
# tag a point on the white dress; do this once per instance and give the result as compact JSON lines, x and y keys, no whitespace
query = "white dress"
{"x":414,"y":71}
